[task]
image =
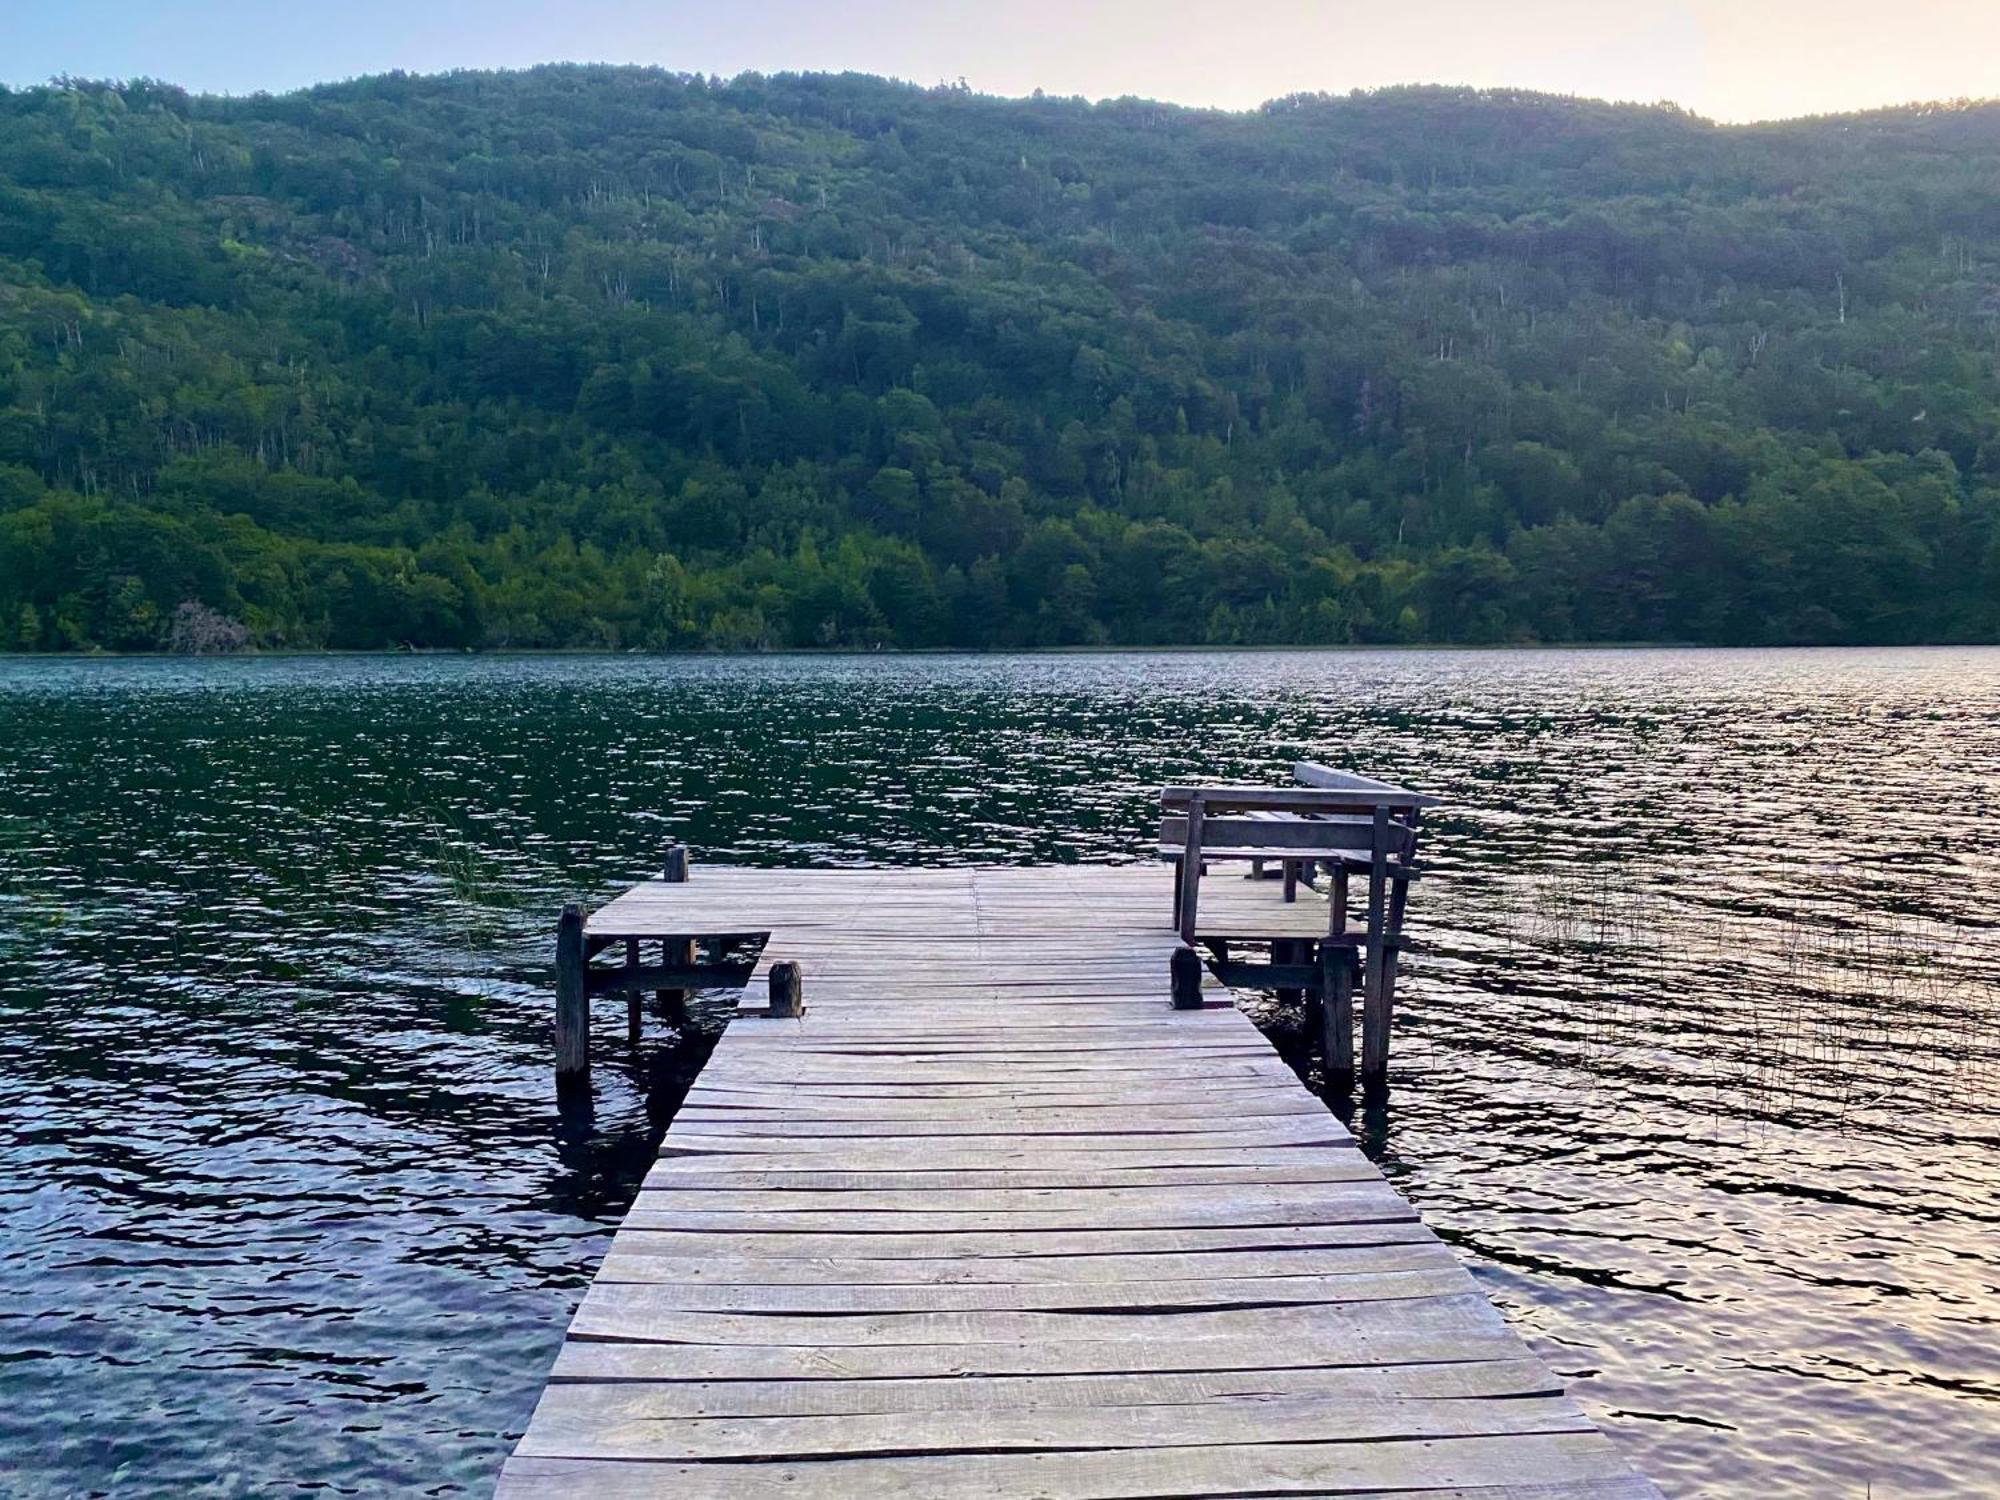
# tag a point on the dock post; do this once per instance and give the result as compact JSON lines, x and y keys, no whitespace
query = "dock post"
{"x":572,"y":998}
{"x":1375,"y":994}
{"x":632,"y":1007}
{"x":788,"y":993}
{"x":1186,"y":970}
{"x":674,"y":953}
{"x":1336,"y":1017}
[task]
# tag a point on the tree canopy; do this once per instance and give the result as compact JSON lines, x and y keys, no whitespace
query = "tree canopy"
{"x":590,"y":356}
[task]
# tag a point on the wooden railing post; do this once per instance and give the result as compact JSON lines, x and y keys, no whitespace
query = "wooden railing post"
{"x":1190,"y":871}
{"x":572,"y":999}
{"x":1374,"y":1003}
{"x":1392,"y":950}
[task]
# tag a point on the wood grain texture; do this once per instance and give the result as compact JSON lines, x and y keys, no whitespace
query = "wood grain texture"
{"x":991,"y":1218}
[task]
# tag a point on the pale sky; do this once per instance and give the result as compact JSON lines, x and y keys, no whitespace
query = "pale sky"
{"x":1728,"y":59}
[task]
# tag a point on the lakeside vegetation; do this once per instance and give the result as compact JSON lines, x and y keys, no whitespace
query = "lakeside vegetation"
{"x":614,"y":357}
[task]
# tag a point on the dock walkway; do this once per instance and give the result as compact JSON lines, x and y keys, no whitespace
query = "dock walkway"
{"x":992,"y":1219}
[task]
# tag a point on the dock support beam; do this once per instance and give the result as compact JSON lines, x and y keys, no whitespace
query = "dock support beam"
{"x":1336,"y":1017}
{"x":572,"y":998}
{"x":1375,"y":992}
{"x":675,"y":953}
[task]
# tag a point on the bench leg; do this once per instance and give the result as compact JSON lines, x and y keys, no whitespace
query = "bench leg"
{"x":1291,"y":880}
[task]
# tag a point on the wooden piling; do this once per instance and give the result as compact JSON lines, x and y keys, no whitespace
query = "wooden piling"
{"x":1336,"y":1016}
{"x":572,"y":999}
{"x":632,"y":1011}
{"x":671,"y":1005}
{"x":788,"y":994}
{"x":1374,"y":1008}
{"x":1185,"y":967}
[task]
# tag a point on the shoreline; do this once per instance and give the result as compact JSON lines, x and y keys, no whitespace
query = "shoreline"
{"x":1415,"y":648}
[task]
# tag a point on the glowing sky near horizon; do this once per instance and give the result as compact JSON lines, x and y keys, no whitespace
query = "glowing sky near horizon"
{"x":1727,"y":59}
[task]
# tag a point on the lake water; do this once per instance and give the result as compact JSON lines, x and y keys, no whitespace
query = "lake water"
{"x":1698,"y":1063}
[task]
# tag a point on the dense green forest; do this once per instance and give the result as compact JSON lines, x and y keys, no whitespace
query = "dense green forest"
{"x":608,"y":356}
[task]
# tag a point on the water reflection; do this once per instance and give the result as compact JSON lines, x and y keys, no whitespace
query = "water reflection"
{"x":1696,"y":1063}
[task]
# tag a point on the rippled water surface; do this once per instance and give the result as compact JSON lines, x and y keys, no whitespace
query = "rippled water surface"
{"x":1697,"y":1066}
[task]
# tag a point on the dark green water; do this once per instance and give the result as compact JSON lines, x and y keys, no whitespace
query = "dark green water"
{"x":1697,"y":1066}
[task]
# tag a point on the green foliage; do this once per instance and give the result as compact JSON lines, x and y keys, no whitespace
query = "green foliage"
{"x":613,"y":357}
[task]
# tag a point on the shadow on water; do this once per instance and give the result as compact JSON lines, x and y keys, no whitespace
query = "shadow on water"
{"x":602,"y":1162}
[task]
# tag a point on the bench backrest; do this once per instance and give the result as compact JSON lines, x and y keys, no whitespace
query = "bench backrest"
{"x":1329,"y":810}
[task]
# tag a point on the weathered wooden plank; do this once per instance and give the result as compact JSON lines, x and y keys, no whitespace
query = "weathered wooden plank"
{"x":1000,"y":1100}
{"x":1306,"y":1198}
{"x":567,"y":1426}
{"x":639,"y":1264}
{"x":970,"y":1243}
{"x":1044,"y":1359}
{"x":1096,"y":1131}
{"x":1478,"y":1468}
{"x":711,"y":1177}
{"x":625,"y":1313}
{"x":775,"y":1156}
{"x":1370,"y":1207}
{"x":853,"y":1298}
{"x":596,"y":1376}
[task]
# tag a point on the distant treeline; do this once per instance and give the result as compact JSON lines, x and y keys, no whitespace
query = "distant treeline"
{"x":589,"y":356}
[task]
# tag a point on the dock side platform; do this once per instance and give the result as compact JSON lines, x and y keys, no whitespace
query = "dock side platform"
{"x":992,"y":1219}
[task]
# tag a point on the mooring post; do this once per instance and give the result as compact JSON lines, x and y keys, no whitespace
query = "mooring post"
{"x":1186,"y":971}
{"x":1336,"y":1016}
{"x":788,"y":990}
{"x":572,"y":999}
{"x":675,"y":953}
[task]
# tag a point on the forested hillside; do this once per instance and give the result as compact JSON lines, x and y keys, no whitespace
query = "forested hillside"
{"x":591,"y":356}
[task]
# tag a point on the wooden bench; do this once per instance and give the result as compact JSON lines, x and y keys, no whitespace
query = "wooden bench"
{"x":1336,"y":820}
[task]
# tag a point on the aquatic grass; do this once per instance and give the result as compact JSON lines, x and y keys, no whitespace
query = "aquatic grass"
{"x":1840,"y":1008}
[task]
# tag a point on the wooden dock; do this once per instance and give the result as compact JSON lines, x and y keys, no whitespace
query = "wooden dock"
{"x":991,"y":1218}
